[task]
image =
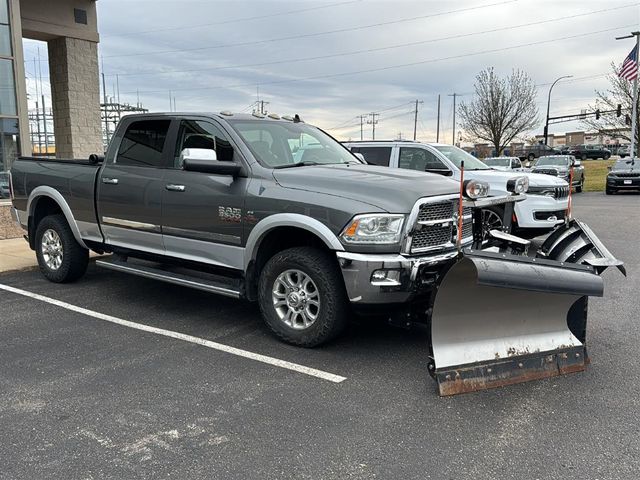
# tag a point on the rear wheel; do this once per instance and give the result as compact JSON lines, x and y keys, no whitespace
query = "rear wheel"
{"x":60,"y":257}
{"x":302,"y":296}
{"x":583,"y":156}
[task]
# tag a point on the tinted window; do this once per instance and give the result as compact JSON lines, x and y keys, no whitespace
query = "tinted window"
{"x":419,"y":159}
{"x":375,"y":155}
{"x":515,"y":163}
{"x":199,"y":134}
{"x":142,"y":143}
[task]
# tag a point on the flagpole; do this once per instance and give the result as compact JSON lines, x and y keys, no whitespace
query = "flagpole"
{"x":634,"y":115}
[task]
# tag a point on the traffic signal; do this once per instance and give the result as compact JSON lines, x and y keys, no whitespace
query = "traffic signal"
{"x":619,"y":110}
{"x":598,"y":114}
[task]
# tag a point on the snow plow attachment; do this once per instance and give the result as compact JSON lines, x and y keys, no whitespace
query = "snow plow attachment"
{"x":500,"y":318}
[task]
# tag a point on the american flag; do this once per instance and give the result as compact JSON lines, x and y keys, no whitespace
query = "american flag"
{"x":629,"y":68}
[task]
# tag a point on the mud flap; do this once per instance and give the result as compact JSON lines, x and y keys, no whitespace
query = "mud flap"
{"x":501,"y":319}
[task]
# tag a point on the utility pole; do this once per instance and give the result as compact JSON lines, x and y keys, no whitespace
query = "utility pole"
{"x":44,"y":108}
{"x":634,"y":114}
{"x":104,"y":99}
{"x":415,"y":119}
{"x":438,"y":122}
{"x":362,"y":117}
{"x":454,"y":95}
{"x":373,"y":122}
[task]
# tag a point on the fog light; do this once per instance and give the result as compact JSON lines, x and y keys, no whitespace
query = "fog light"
{"x":386,"y":278}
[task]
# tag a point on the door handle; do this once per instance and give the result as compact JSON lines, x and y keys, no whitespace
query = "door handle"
{"x":175,"y":188}
{"x":110,"y":181}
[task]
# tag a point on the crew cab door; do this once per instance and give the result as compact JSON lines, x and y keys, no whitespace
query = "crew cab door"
{"x":129,"y":190}
{"x":202,"y":213}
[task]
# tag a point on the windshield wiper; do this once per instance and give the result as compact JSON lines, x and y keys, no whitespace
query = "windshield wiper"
{"x":299,"y":164}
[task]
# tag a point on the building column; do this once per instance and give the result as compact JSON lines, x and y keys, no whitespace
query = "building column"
{"x":75,"y":92}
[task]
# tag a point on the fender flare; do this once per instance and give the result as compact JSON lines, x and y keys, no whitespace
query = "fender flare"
{"x":266,"y":225}
{"x":45,"y":191}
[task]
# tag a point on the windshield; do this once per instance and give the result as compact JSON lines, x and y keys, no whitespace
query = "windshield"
{"x":281,"y":144}
{"x":626,"y":165}
{"x":497,"y":162}
{"x":556,"y":161}
{"x":457,"y":155}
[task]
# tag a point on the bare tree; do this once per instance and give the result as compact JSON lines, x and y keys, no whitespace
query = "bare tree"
{"x":503,"y":108}
{"x":620,"y":92}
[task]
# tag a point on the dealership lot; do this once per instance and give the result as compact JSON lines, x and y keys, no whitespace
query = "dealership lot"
{"x":84,"y":397}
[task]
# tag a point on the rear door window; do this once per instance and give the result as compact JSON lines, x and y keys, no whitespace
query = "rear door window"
{"x":419,"y":159}
{"x":375,"y":155}
{"x":143,"y":144}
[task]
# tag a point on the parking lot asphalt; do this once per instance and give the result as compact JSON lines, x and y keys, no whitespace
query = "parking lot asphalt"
{"x":83,"y":398}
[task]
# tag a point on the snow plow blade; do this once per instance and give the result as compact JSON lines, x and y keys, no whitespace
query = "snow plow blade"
{"x":500,"y":319}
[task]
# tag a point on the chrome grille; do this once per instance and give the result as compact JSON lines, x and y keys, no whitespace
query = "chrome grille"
{"x":436,"y":228}
{"x":561,"y":192}
{"x":546,"y":171}
{"x":436,"y":211}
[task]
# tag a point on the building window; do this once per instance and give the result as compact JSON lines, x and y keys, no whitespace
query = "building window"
{"x":7,"y":88}
{"x":9,"y":151}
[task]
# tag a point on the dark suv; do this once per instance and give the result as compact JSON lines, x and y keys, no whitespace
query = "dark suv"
{"x":584,"y":152}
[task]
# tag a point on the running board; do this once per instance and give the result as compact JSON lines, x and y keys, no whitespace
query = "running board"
{"x":217,"y":287}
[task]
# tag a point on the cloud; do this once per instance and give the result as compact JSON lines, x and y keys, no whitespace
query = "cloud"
{"x":332,"y":96}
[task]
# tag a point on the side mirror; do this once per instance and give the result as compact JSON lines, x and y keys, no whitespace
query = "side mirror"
{"x":205,"y":160}
{"x":576,"y":163}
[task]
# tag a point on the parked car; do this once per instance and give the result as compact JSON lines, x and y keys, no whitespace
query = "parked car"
{"x":624,"y":151}
{"x":4,"y":185}
{"x":531,"y":152}
{"x":504,"y":163}
{"x":588,"y":151}
{"x":560,"y":166}
{"x":216,"y":202}
{"x":623,"y":175}
{"x":547,"y":198}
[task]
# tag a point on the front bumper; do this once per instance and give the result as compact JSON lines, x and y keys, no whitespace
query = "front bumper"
{"x":623,"y":183}
{"x":404,"y":281}
{"x":539,"y":211}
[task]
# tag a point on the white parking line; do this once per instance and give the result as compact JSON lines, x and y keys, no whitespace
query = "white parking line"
{"x":181,"y":336}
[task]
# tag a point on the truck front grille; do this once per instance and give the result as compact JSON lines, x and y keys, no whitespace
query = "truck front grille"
{"x":436,"y":226}
{"x":627,"y":174}
{"x":561,"y":192}
{"x":546,"y":171}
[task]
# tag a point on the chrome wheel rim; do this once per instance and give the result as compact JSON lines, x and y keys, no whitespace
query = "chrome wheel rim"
{"x":296,"y":299}
{"x":51,"y":249}
{"x":490,"y":221}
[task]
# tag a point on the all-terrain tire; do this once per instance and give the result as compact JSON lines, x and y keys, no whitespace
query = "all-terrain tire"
{"x":609,"y":191}
{"x":74,"y":258}
{"x":580,"y":186}
{"x":323,"y":270}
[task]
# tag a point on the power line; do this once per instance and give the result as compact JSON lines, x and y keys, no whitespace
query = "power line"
{"x":370,"y":50}
{"x":236,"y":20}
{"x":316,"y":34}
{"x":401,"y":65}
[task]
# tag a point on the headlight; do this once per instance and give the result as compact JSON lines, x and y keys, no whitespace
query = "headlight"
{"x":518,"y":185}
{"x":374,"y":229}
{"x":475,"y":189}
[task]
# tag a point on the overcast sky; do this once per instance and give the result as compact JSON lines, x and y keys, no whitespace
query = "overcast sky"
{"x":331,"y":61}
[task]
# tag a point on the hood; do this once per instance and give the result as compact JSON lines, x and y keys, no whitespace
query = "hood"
{"x":393,"y":190}
{"x":494,"y":177}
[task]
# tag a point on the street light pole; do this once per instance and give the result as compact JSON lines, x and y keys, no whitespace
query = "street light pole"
{"x":634,"y":112}
{"x":546,"y":124}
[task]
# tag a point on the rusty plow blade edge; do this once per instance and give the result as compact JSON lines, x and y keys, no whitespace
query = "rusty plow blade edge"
{"x":502,"y":319}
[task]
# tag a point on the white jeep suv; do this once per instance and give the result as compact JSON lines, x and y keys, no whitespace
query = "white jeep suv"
{"x":547,"y":198}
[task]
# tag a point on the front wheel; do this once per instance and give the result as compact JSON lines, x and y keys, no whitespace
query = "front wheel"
{"x":607,"y":156}
{"x":580,"y":186}
{"x":492,"y":219}
{"x":583,"y":156}
{"x":609,"y":191}
{"x":302,"y":296}
{"x":60,"y":257}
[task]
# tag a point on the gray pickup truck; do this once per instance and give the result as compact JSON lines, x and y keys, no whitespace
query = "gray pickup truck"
{"x":239,"y":205}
